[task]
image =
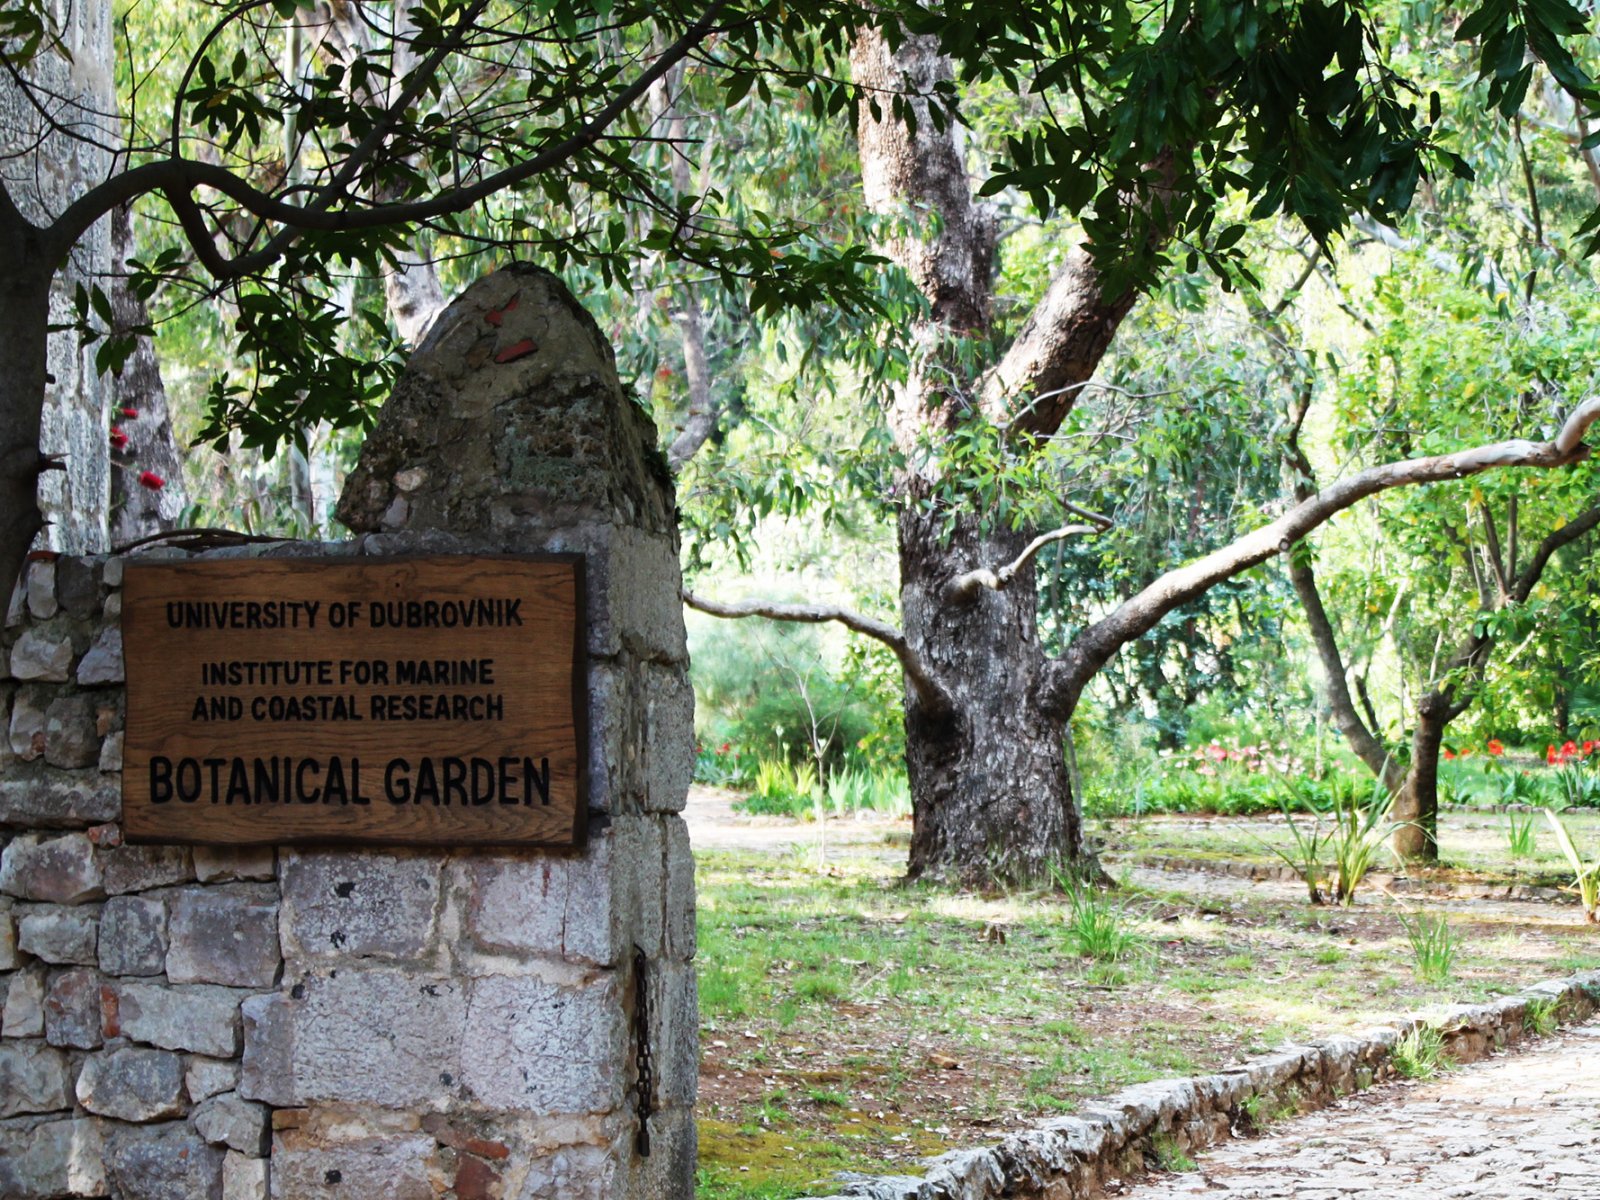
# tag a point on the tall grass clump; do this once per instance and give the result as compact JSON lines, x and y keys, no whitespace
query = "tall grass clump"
{"x":1586,"y":876}
{"x":1433,"y":946}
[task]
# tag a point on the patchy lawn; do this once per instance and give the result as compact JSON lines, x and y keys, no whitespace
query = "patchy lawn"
{"x":853,"y":1023}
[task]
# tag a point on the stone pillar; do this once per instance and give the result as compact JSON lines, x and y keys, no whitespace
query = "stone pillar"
{"x":335,"y":1024}
{"x":44,"y":172}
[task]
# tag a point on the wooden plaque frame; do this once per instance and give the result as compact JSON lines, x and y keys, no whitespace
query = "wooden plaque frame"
{"x":416,"y":700}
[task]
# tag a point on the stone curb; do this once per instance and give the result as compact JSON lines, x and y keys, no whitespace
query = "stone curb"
{"x":1398,"y":884}
{"x":1072,"y":1158}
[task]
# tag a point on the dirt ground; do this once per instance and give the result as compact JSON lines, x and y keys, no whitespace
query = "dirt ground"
{"x":871,"y":1025}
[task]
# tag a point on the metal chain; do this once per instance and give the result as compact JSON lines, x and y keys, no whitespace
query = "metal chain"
{"x":645,"y":1088}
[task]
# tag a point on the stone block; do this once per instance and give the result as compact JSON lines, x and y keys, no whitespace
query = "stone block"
{"x":26,"y":729}
{"x":133,"y":1084}
{"x":60,"y":799}
{"x":133,"y":936}
{"x":358,"y":904}
{"x":225,"y":937}
{"x":33,"y":1079}
{"x":674,"y":1033}
{"x":111,"y":752}
{"x":635,"y":604}
{"x":111,"y":572}
{"x":223,"y":864}
{"x":140,"y":868}
{"x":617,"y":738}
{"x":78,"y":585}
{"x":580,"y":908}
{"x":230,"y":1120}
{"x":669,"y":752}
{"x":162,"y":1162}
{"x":680,"y":907}
{"x":200,"y":1018}
{"x":337,"y":1038}
{"x":572,"y":1173}
{"x":103,"y":662}
{"x":24,"y":1000}
{"x":72,"y":1009}
{"x":41,"y":584}
{"x":205,"y":1077}
{"x":71,"y":736}
{"x":243,"y":1178}
{"x":534,"y":1046}
{"x":61,"y":870}
{"x":42,"y":653}
{"x":50,"y":1159}
{"x":58,"y":934}
{"x":396,"y":1167}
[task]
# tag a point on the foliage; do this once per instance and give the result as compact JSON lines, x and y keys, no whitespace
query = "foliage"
{"x":1541,"y":1017}
{"x":1520,"y":835}
{"x":1095,"y":928}
{"x":1420,"y":1054}
{"x":1360,"y":832}
{"x":1433,"y":946}
{"x":1309,"y":842}
{"x":1585,"y":876}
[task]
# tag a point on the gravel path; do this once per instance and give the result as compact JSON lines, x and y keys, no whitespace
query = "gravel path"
{"x":1522,"y":1127}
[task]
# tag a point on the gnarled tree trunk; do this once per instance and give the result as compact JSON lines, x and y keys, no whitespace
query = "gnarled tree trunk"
{"x":990,"y":790}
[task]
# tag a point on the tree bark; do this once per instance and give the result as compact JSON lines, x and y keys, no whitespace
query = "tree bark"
{"x":138,"y":511}
{"x":1416,"y":805}
{"x":27,"y":263}
{"x":991,"y":794}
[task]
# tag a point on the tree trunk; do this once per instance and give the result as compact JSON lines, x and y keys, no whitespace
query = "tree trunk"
{"x":1416,"y":805}
{"x":26,"y":268}
{"x":990,"y":793}
{"x":137,"y":510}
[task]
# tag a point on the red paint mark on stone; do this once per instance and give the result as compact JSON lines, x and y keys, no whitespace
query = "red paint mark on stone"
{"x":106,"y":835}
{"x":497,"y":316}
{"x":515,"y":351}
{"x":474,"y":1179}
{"x":110,"y":1013}
{"x":486,"y":1149}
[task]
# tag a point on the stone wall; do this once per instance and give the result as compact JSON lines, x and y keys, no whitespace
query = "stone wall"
{"x":53,"y":169}
{"x":321,"y":1023}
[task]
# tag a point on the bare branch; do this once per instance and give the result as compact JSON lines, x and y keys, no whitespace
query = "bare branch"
{"x":930,"y":691}
{"x":1139,"y":614}
{"x":964,"y":587}
{"x":177,"y":175}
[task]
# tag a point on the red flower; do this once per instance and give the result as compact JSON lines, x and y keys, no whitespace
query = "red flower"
{"x":131,"y":413}
{"x":152,"y":481}
{"x":1449,"y":753}
{"x":726,"y":746}
{"x":1467,"y":753}
{"x":1569,"y":750}
{"x":1551,"y":755}
{"x":118,"y":438}
{"x":1495,"y":747}
{"x":1588,"y":748}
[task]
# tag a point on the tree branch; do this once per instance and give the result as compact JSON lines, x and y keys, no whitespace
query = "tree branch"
{"x":964,"y":587}
{"x":178,"y":175}
{"x":930,"y":692}
{"x":1139,"y":614}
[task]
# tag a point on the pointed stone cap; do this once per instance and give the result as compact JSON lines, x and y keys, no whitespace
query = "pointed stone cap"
{"x":509,"y":418}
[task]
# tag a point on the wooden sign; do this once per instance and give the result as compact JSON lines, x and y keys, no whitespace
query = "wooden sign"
{"x":407,"y":700}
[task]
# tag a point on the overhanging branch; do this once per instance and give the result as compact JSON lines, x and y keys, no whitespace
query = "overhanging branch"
{"x":930,"y":692}
{"x":1094,"y":647}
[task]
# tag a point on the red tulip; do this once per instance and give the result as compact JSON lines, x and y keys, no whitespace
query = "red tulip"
{"x":1449,"y":753}
{"x":1570,"y":750}
{"x":152,"y":481}
{"x":1551,"y":755}
{"x":1495,"y":747}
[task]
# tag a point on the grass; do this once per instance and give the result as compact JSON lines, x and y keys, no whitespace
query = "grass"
{"x":854,"y":1022}
{"x":1420,"y":1054}
{"x":1433,"y":947}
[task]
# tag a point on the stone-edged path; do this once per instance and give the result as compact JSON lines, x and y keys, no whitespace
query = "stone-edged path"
{"x":1524,"y":1126}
